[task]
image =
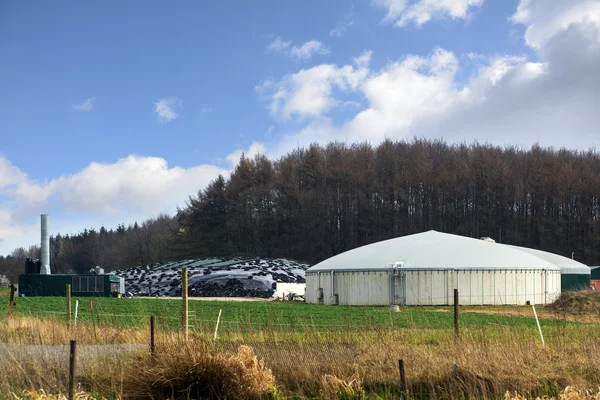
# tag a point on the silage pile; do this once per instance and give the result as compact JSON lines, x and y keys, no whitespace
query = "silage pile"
{"x":214,"y":277}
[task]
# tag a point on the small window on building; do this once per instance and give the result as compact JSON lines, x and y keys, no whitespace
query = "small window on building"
{"x":99,"y":284}
{"x":76,"y":284}
{"x":87,"y":284}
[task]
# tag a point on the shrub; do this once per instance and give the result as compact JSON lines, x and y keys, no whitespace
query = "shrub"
{"x":191,"y":371}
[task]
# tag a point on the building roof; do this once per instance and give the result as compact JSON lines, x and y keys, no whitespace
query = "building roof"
{"x":566,"y":265}
{"x":436,"y":250}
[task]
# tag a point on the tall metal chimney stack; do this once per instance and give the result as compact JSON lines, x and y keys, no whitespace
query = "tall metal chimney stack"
{"x":45,"y":245}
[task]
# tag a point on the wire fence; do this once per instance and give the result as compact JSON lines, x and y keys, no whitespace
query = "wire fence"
{"x":306,"y":320}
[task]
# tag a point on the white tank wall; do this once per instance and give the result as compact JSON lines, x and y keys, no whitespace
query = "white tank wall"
{"x":435,"y":287}
{"x":353,"y":288}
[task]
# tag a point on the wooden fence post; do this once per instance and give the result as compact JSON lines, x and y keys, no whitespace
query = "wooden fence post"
{"x":68,"y":289}
{"x":72,"y":361}
{"x":402,"y":379}
{"x":184,"y":297}
{"x":152,"y":332}
{"x":456,"y":326}
{"x":11,"y":299}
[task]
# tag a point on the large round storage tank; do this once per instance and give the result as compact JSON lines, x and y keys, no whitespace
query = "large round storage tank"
{"x":425,"y":268}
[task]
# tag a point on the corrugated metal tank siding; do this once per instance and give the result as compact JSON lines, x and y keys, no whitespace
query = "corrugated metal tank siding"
{"x":435,"y":287}
{"x":481,"y":287}
{"x":368,"y":288}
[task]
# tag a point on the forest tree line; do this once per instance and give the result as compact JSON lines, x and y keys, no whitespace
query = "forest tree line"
{"x":319,"y":201}
{"x":316,"y":202}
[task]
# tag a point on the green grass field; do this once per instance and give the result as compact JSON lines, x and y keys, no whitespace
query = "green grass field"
{"x":274,"y":316}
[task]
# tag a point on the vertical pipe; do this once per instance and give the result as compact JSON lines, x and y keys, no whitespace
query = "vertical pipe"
{"x":456,"y":328}
{"x":184,"y":297}
{"x":152,"y":333}
{"x":68,"y":289}
{"x":45,"y":246}
{"x":72,"y":360}
{"x":76,"y":311}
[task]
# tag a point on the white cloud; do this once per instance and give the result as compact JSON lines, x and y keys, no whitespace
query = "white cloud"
{"x":165,"y":109}
{"x":308,"y":49}
{"x":16,"y":184}
{"x":546,"y":18}
{"x":206,"y":110}
{"x":278,"y":45}
{"x":308,"y":93}
{"x":9,"y":174}
{"x":86,"y":105}
{"x":342,"y":26}
{"x":132,"y":183}
{"x":15,"y":234}
{"x":132,"y":187}
{"x":419,"y":12}
{"x":254,"y":149}
{"x":303,"y":52}
{"x":507,"y":100}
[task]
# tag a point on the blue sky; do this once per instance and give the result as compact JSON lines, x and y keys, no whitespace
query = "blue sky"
{"x":116,"y":111}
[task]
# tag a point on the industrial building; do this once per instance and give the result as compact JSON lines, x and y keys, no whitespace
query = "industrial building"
{"x":82,"y":285}
{"x":595,"y":277}
{"x":573,"y":274}
{"x":425,"y":268}
{"x":39,"y":281}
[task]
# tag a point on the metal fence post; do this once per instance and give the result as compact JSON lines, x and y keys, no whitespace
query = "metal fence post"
{"x":456,"y":326}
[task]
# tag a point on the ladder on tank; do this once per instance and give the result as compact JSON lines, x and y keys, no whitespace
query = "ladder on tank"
{"x":398,"y":284}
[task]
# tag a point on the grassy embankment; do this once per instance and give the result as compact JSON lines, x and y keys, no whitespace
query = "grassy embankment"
{"x":308,"y":351}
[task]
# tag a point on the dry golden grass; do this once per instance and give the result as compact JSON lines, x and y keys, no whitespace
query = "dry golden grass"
{"x":569,"y":393}
{"x":194,"y":371}
{"x":42,"y":395}
{"x":29,"y":330}
{"x":486,"y":362}
{"x":333,"y":388}
{"x":437,"y":367}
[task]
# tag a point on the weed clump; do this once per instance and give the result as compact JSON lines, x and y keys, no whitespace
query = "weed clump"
{"x":581,"y":302}
{"x":193,"y":371}
{"x":334,"y":388}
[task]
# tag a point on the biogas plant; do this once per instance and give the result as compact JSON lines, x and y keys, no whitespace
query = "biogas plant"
{"x":425,"y":268}
{"x":38,"y":279}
